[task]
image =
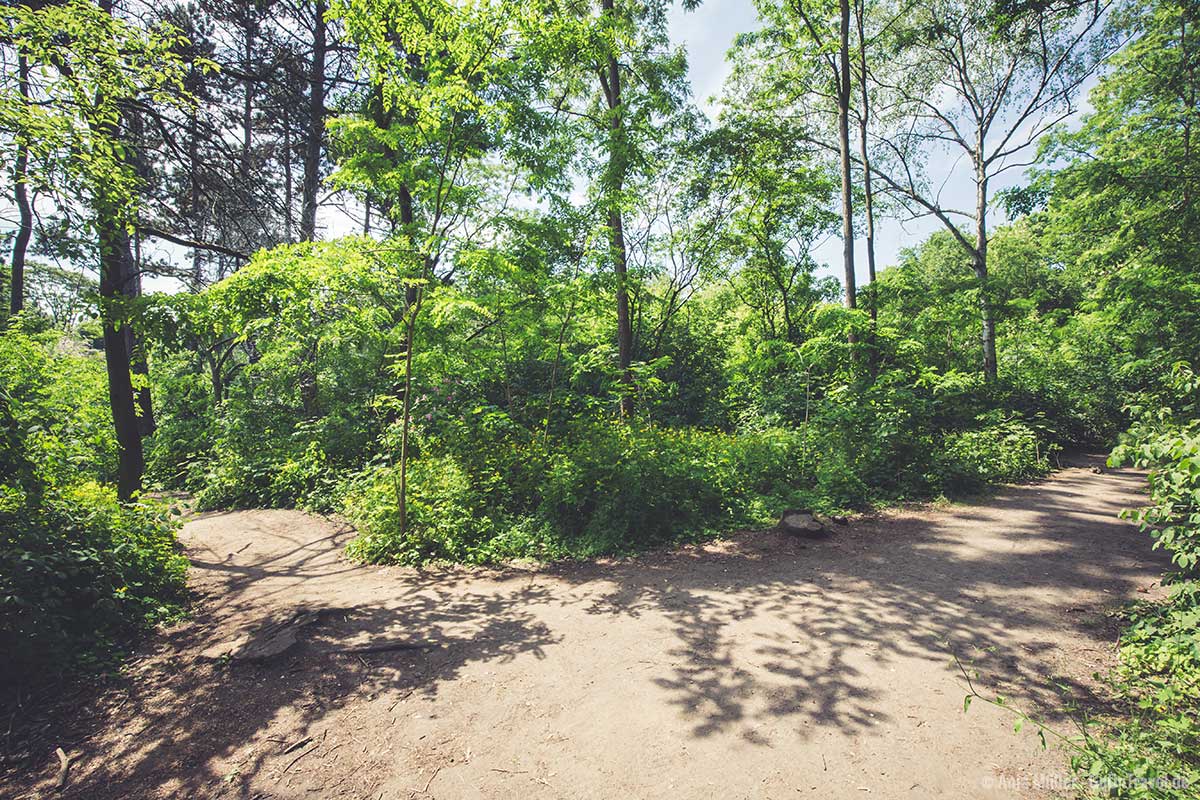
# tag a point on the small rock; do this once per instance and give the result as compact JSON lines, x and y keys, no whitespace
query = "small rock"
{"x":800,"y":521}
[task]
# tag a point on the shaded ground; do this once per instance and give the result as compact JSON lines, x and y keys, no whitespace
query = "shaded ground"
{"x":760,"y":666}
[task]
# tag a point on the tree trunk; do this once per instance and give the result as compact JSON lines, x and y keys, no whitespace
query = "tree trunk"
{"x":988,"y":329}
{"x":21,"y":198}
{"x":218,"y":385}
{"x":115,"y":272}
{"x":289,"y":193}
{"x":248,"y":97}
{"x":131,"y":288}
{"x":116,"y":269}
{"x":611,"y":84}
{"x":194,"y":200}
{"x":868,"y":194}
{"x":316,"y":129}
{"x":843,"y":95}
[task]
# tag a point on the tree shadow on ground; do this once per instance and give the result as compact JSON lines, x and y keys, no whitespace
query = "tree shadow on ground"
{"x":755,"y":632}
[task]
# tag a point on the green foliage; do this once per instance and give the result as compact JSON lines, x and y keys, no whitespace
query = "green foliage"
{"x":1005,"y":452}
{"x":1150,"y":748}
{"x":514,"y":449}
{"x":607,"y":487}
{"x":80,"y":573}
{"x":58,"y":385}
{"x":102,"y":63}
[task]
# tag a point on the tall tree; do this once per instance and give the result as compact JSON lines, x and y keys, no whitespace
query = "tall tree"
{"x":623,"y":49}
{"x":1119,"y":192}
{"x":314,"y":139}
{"x":20,"y":180}
{"x":987,"y":80}
{"x":95,"y":67}
{"x":814,"y":78}
{"x":614,"y":186}
{"x":864,"y":151}
{"x":444,"y":89}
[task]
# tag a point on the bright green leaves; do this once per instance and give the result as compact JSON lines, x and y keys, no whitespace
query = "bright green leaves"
{"x":86,"y":65}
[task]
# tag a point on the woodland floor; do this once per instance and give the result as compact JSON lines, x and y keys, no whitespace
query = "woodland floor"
{"x":758,"y":666}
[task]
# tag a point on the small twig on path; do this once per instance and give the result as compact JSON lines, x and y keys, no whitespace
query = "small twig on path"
{"x":297,"y":744}
{"x":401,"y":699}
{"x":297,"y":758}
{"x":430,"y":781}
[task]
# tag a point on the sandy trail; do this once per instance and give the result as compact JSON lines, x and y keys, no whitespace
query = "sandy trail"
{"x":760,"y":666}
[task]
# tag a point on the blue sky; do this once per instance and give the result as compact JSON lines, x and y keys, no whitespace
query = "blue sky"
{"x":708,"y":33}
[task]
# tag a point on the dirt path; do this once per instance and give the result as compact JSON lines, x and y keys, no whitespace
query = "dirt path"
{"x":757,"y":667}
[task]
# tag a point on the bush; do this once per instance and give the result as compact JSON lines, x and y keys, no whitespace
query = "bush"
{"x":1152,"y":748}
{"x":608,"y":487}
{"x":80,"y":573}
{"x":1003,"y":452}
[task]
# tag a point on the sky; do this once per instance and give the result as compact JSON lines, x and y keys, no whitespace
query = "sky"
{"x":708,"y":33}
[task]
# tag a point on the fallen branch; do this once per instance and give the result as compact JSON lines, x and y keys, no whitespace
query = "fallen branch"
{"x":64,"y":766}
{"x":385,"y":647}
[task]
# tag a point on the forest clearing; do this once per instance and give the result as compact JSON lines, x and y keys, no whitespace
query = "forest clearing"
{"x":600,"y":398}
{"x":764,"y":665}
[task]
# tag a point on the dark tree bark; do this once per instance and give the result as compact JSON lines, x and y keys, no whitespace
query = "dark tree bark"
{"x":289,"y":192}
{"x":21,"y":198}
{"x":116,"y":271}
{"x":248,"y":97}
{"x":116,"y":268}
{"x":843,"y":96}
{"x":316,"y":127}
{"x":864,"y":121}
{"x":131,"y":288}
{"x":610,"y":79}
{"x":194,"y":199}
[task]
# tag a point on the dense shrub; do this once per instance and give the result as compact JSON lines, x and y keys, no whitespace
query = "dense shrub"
{"x":1152,"y":747}
{"x":608,"y":487}
{"x":80,"y":573}
{"x":1002,"y":452}
{"x":282,"y":386}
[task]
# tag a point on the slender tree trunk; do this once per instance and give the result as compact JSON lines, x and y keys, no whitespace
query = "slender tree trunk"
{"x":218,"y":385}
{"x":307,"y":379}
{"x":21,"y":198}
{"x":289,"y":193}
{"x":412,"y":301}
{"x":406,"y":421}
{"x":316,"y":128}
{"x":616,"y":183}
{"x":988,"y":330}
{"x":131,"y":288}
{"x":863,"y":126}
{"x":248,"y":97}
{"x":194,"y":200}
{"x":116,"y":269}
{"x":843,"y":95}
{"x":115,"y":272}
